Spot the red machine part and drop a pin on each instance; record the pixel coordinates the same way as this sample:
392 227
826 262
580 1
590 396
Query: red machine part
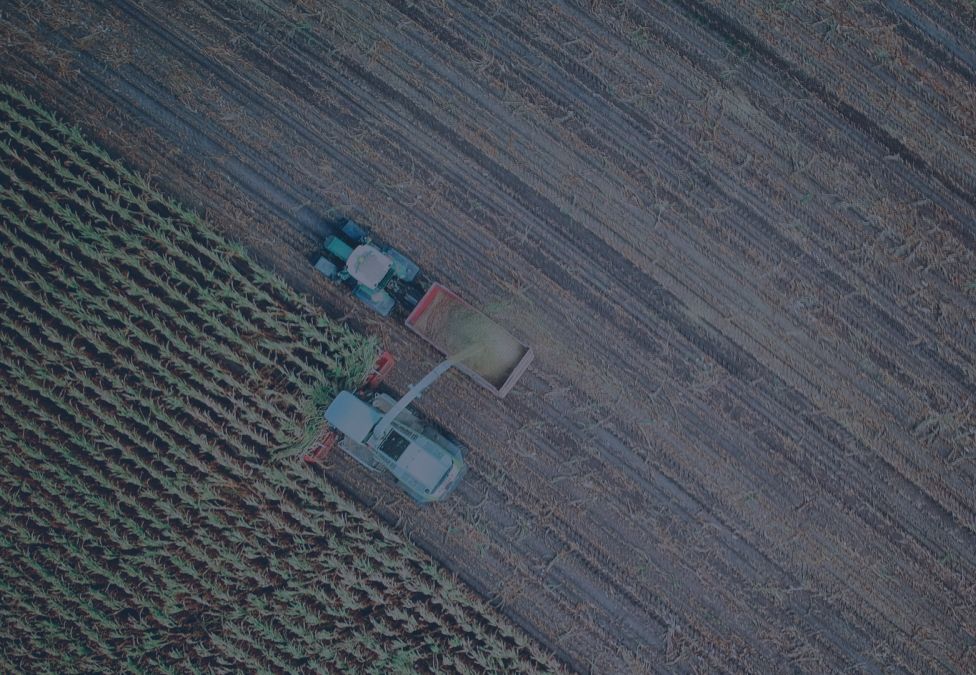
321 450
384 364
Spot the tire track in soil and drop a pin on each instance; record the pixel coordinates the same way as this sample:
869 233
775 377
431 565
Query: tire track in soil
835 281
629 276
887 319
733 31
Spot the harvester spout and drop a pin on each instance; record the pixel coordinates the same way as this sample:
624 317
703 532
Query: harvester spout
416 390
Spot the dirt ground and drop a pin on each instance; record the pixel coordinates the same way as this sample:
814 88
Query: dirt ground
739 236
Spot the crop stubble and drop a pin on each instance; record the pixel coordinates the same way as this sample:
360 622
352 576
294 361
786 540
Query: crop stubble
738 237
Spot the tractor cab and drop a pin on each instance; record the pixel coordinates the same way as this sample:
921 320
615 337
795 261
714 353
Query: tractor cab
371 268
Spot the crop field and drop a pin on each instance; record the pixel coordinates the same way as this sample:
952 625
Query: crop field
157 384
740 237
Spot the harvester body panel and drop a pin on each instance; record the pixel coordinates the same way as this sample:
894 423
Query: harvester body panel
353 417
426 463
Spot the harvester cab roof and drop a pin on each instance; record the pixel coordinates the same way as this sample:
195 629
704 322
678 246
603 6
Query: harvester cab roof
351 416
425 466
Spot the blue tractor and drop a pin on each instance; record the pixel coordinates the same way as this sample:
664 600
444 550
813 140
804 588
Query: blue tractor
380 276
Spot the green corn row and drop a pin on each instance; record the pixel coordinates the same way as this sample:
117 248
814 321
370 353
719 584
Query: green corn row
224 256
154 374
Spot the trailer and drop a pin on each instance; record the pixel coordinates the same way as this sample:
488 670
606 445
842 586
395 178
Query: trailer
484 351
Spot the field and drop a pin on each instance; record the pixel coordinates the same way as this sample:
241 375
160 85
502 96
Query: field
157 387
739 236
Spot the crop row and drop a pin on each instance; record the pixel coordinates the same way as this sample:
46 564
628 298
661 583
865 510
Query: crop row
152 516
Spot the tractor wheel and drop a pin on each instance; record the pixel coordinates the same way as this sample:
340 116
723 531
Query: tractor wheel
327 268
380 302
353 232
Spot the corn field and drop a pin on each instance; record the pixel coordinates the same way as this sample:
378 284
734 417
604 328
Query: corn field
157 384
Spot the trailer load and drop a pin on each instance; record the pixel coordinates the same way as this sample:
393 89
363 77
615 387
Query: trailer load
486 352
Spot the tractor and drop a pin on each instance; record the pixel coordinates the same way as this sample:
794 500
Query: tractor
380 276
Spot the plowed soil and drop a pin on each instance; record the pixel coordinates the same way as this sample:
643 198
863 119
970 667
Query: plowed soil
739 236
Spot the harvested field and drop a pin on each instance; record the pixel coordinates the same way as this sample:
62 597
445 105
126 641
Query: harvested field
154 377
739 237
